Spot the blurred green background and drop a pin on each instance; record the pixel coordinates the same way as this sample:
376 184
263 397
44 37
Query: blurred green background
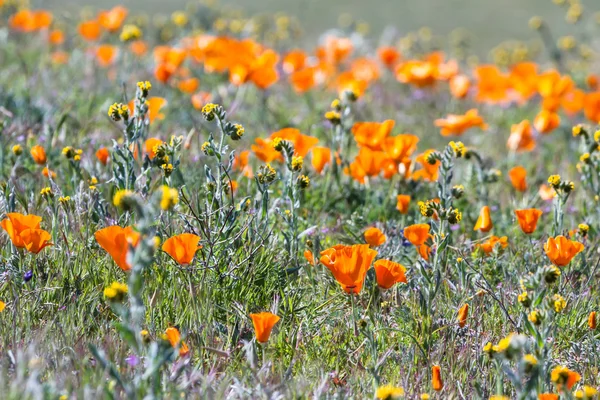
491 21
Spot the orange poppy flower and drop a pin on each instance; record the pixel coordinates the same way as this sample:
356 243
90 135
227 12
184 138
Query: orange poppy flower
521 137
458 124
263 325
488 247
428 172
200 99
546 121
400 147
59 57
364 69
263 72
546 193
106 55
335 50
321 156
573 102
349 264
35 240
90 30
523 79
150 146
518 178
388 273
294 61
492 85
372 134
306 79
102 155
389 56
548 396
424 251
484 222
263 149
308 255
592 320
367 163
564 376
48 173
374 237
113 19
459 86
155 104
15 224
417 73
561 250
138 47
402 202
463 313
417 234
163 73
528 219
38 154
56 37
116 241
182 247
591 107
189 85
436 378
347 82
174 337
30 21
302 143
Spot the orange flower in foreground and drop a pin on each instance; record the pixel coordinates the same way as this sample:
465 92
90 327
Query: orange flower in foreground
349 264
518 177
263 325
35 240
561 250
521 137
546 121
388 273
90 30
488 247
548 396
182 247
463 313
321 156
402 202
29 21
417 234
174 337
374 237
102 155
15 224
116 241
484 222
436 378
372 134
459 124
528 219
38 154
400 147
564 376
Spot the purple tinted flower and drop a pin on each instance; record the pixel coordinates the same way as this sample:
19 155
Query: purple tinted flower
132 360
28 275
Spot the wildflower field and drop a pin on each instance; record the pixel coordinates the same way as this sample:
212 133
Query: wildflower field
205 204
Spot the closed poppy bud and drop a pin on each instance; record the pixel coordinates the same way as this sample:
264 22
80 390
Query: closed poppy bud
403 201
463 313
484 222
374 237
38 154
528 219
518 177
102 155
263 325
592 321
389 273
436 379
